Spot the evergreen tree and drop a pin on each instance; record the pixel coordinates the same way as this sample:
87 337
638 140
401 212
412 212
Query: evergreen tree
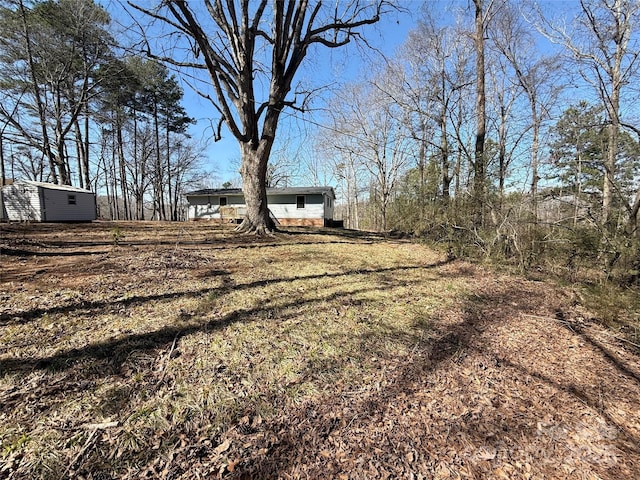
50 54
579 154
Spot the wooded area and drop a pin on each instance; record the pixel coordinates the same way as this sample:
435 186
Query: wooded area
77 109
500 128
503 129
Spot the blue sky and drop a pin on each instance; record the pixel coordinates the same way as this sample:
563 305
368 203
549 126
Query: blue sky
329 66
322 67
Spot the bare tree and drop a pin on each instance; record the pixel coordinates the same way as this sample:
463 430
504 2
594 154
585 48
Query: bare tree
53 50
479 157
484 11
335 145
317 170
506 97
350 173
436 78
534 74
246 45
370 129
7 115
606 60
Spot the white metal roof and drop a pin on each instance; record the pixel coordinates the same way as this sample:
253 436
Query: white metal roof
53 186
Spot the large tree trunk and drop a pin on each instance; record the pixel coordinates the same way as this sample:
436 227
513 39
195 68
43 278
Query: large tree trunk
479 164
2 171
254 187
610 167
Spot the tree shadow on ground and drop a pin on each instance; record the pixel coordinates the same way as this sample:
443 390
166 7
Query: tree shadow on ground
306 440
337 232
156 338
311 441
281 239
88 364
577 328
117 350
18 252
21 317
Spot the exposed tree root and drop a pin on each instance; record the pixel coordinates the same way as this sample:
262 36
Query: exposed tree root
257 228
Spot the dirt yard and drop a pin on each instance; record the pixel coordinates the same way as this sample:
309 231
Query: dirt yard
147 350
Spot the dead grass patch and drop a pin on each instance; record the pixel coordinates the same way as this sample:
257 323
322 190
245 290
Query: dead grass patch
180 351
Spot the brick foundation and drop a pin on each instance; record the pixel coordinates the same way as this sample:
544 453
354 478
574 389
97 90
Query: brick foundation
301 222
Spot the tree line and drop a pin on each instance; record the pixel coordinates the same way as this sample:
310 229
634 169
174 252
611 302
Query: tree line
77 109
501 128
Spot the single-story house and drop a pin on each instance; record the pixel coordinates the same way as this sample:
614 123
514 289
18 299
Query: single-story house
302 206
25 200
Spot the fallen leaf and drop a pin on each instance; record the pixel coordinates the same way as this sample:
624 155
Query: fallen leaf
223 447
232 465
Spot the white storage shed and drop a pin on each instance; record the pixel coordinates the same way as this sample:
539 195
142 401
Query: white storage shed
26 200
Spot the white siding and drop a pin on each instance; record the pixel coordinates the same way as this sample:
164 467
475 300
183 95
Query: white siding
201 209
328 207
208 207
39 202
284 206
21 202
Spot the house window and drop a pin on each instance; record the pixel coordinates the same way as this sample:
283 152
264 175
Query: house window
223 201
71 199
300 201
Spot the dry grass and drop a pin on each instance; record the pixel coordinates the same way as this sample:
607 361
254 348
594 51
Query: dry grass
180 351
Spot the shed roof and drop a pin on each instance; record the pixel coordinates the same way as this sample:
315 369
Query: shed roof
270 191
53 186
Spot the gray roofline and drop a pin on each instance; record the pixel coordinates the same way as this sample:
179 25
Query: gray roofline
53 186
231 192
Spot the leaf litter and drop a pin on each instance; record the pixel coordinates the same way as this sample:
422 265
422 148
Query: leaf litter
182 351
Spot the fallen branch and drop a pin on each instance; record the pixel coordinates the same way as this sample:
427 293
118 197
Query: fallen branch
173 346
99 426
86 446
553 319
94 427
621 339
568 324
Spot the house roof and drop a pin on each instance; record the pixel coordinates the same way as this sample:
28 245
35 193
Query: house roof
53 186
229 192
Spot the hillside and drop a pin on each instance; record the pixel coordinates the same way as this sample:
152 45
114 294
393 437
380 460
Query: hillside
146 350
